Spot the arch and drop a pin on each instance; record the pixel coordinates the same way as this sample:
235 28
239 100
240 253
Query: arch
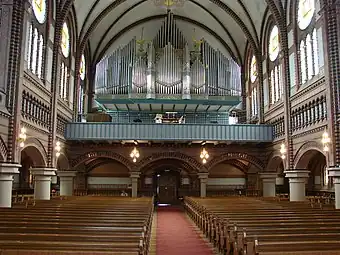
236 155
304 152
35 154
167 163
3 149
274 162
172 155
34 142
62 162
102 154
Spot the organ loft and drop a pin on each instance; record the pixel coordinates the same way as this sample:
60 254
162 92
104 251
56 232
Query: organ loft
128 126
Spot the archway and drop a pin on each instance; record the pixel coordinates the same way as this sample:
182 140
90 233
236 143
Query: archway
315 162
275 164
169 179
107 176
228 177
31 156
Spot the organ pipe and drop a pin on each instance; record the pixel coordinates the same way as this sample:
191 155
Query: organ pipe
166 66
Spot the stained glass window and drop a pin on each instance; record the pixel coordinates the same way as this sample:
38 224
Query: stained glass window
274 44
82 68
306 11
65 41
253 69
39 9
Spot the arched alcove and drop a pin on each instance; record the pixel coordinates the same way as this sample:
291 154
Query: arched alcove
314 161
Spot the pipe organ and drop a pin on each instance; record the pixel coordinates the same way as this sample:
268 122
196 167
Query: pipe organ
166 67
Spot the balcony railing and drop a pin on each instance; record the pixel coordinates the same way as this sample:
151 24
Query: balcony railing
168 132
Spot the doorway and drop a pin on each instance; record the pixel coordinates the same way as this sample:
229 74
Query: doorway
166 184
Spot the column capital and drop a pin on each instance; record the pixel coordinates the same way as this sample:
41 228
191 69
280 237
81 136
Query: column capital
43 171
268 175
203 175
134 174
9 168
66 173
297 173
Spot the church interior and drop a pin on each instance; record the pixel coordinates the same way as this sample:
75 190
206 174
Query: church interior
170 127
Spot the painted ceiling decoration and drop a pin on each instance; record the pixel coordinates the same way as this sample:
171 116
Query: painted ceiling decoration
231 23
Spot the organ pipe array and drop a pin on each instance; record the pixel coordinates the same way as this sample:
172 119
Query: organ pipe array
166 66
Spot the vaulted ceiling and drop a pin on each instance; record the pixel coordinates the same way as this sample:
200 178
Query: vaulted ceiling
225 24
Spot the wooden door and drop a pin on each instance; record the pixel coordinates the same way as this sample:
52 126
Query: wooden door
167 185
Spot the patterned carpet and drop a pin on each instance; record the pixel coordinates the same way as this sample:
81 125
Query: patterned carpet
176 235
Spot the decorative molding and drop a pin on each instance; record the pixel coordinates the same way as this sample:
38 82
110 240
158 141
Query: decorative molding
236 155
101 154
3 149
172 155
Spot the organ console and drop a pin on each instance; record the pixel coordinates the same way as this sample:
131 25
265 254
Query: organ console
166 67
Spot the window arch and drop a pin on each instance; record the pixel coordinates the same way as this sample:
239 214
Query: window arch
274 68
308 54
36 38
253 73
81 88
65 47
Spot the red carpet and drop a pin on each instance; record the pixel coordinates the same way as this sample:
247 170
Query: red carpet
176 235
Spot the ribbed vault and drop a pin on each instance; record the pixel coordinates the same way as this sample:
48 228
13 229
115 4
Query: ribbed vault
228 25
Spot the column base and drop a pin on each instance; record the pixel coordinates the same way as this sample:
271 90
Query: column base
66 182
42 182
335 173
268 184
7 170
297 184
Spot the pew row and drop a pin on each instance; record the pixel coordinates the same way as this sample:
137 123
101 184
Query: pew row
252 226
78 225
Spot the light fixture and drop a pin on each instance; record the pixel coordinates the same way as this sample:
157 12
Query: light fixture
283 151
22 137
204 156
134 155
325 141
57 149
169 4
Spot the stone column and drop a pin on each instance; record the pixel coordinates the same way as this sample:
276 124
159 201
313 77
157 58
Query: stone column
7 171
42 182
335 173
268 184
66 182
203 181
134 183
297 184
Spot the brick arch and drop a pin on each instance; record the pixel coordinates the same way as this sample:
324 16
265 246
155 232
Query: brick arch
102 154
40 149
274 161
193 163
63 162
235 155
306 147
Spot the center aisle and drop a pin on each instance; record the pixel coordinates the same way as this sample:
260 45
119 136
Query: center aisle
176 235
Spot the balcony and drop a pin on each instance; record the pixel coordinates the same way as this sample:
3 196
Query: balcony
167 132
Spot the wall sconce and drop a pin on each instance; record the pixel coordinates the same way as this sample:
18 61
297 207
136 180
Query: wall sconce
57 149
22 137
134 155
204 156
283 151
325 141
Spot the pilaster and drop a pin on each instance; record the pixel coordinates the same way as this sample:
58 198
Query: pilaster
203 183
66 182
268 184
134 183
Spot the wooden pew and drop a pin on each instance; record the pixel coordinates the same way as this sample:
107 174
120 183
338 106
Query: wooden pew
86 225
251 226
